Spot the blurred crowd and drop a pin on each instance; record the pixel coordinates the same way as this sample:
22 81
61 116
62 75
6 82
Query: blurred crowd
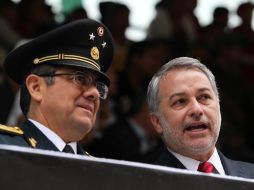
123 130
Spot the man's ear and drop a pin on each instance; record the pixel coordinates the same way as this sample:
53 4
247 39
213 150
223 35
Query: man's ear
34 85
156 123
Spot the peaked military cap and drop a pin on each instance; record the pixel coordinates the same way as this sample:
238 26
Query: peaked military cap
84 44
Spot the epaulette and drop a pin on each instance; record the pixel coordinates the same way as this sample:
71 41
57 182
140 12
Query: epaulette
11 130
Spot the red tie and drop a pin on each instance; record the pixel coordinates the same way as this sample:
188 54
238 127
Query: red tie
206 167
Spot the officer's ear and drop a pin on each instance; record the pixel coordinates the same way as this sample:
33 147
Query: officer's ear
156 123
34 85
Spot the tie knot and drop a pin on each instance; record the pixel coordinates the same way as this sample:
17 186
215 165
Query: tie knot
68 149
206 167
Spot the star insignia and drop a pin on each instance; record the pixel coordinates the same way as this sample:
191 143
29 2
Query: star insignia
92 36
104 44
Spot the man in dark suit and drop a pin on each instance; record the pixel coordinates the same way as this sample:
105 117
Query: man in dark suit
184 108
62 78
130 138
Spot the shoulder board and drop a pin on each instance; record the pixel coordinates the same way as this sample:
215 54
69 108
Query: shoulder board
11 130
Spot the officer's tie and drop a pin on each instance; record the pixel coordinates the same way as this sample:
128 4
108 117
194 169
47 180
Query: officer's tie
206 167
68 149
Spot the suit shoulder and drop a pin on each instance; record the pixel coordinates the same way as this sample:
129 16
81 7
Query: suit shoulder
244 164
237 168
12 130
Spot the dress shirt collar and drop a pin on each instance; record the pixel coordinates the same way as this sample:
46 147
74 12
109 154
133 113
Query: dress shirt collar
192 164
53 137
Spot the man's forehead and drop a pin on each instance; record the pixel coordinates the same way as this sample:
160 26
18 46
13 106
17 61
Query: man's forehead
180 78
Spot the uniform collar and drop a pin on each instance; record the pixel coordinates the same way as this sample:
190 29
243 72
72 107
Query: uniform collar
53 137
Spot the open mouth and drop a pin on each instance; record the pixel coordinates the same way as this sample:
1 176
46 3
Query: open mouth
200 127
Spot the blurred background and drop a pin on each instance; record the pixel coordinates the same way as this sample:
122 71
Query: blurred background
147 34
142 13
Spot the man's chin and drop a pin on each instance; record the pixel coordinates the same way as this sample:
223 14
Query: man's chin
201 147
84 125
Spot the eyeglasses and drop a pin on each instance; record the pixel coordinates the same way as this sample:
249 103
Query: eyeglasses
83 79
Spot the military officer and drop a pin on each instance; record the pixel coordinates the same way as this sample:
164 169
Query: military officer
63 77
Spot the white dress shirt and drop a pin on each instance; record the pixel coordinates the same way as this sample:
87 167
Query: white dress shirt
53 137
192 164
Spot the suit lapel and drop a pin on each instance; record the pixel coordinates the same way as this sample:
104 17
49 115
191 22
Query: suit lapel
231 167
168 159
81 151
42 142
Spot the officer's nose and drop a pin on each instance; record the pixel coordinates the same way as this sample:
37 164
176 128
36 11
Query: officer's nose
91 93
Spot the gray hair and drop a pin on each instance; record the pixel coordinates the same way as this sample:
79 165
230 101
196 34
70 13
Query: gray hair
153 99
25 97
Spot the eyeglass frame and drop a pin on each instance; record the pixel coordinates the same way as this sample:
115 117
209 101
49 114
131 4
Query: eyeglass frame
73 75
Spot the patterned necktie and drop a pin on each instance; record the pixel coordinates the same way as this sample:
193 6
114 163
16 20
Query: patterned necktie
68 149
206 167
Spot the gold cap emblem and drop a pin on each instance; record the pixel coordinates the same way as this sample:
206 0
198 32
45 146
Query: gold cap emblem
95 54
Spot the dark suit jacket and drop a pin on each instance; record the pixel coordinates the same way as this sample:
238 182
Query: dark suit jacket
119 141
231 167
30 135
